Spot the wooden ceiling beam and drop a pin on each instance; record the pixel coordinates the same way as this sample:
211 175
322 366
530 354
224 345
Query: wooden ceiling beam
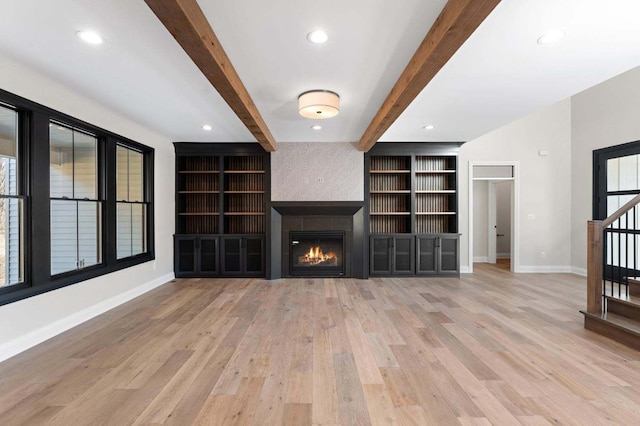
455 24
186 22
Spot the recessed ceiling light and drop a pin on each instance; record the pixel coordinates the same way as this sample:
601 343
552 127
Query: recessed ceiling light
206 127
90 37
317 37
551 36
428 127
316 127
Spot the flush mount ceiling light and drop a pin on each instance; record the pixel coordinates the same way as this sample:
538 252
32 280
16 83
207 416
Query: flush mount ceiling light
319 104
551 36
428 127
90 37
206 127
317 37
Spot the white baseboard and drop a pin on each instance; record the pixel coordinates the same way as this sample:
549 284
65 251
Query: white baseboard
503 255
480 259
465 270
544 269
579 271
35 337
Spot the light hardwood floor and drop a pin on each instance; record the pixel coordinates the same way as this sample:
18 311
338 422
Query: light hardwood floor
489 348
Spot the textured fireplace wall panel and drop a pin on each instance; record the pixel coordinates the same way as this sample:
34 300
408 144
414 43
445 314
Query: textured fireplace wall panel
317 171
317 223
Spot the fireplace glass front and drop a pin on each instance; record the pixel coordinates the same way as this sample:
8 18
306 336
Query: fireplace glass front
316 253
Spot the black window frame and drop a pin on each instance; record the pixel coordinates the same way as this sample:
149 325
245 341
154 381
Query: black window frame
147 194
34 185
600 192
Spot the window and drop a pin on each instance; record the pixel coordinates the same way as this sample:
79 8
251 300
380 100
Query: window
616 178
131 223
75 205
76 201
11 203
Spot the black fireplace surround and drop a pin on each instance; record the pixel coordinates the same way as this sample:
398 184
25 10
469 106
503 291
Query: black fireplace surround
323 222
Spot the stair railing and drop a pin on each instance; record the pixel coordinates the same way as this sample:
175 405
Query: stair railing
612 254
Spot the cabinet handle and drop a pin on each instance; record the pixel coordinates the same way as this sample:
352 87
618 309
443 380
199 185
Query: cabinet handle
241 239
391 242
197 243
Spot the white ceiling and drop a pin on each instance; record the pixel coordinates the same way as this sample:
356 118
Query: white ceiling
500 74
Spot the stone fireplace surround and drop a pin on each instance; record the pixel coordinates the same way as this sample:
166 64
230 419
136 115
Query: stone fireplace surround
286 216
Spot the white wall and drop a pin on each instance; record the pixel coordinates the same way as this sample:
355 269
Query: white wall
545 185
317 172
30 321
605 115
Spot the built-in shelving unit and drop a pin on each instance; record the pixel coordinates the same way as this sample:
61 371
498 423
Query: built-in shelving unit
390 194
244 203
221 195
412 208
435 187
198 187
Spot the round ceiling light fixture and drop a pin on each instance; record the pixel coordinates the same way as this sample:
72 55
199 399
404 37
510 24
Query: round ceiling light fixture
428 127
207 127
319 104
317 37
90 37
551 36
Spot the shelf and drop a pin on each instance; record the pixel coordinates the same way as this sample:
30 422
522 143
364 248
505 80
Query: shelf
434 171
390 213
232 172
198 192
436 191
244 213
390 171
198 172
199 214
435 213
244 192
399 191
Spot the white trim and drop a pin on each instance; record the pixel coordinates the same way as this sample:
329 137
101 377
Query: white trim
503 255
545 269
480 259
465 270
35 337
515 210
491 222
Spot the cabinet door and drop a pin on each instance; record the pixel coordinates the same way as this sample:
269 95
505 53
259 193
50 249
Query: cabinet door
449 260
232 255
209 255
380 255
403 250
184 263
427 255
254 256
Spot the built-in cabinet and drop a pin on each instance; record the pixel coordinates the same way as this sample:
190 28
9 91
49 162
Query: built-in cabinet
221 196
412 209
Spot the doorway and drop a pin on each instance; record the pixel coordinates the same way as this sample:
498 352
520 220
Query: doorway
493 207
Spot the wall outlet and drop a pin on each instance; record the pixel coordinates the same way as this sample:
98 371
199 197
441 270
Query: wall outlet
543 254
320 180
531 216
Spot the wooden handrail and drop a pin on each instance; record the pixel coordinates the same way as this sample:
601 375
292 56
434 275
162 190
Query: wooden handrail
595 263
595 253
622 210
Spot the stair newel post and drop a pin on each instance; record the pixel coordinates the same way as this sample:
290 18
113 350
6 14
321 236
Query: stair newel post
595 250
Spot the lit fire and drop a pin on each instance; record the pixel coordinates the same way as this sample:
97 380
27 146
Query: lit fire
315 256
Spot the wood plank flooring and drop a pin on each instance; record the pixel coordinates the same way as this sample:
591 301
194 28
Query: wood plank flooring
488 348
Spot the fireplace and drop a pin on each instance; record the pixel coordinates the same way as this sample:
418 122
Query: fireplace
317 253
